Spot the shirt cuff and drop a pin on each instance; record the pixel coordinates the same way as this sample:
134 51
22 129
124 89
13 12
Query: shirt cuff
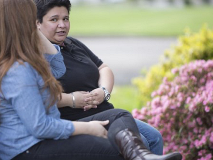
68 130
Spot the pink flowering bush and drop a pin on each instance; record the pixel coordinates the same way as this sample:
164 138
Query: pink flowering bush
182 110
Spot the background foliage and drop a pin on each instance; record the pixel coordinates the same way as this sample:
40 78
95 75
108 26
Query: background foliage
191 46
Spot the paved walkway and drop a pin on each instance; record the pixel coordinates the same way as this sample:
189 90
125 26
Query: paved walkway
126 56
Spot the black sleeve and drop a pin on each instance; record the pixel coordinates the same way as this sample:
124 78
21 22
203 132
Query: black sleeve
90 54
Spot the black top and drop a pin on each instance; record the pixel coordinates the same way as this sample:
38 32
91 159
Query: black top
82 74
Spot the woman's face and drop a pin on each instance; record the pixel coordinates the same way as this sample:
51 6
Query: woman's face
55 25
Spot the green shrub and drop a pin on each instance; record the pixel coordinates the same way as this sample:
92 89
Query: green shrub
191 46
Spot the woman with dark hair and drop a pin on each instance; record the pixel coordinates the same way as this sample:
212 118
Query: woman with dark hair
87 78
30 126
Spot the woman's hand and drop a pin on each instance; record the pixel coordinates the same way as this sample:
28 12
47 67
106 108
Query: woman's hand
85 99
95 128
96 99
98 95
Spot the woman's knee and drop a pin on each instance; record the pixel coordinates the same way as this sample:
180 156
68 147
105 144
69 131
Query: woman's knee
150 133
158 136
121 112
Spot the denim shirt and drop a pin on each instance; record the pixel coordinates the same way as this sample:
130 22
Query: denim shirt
56 62
24 117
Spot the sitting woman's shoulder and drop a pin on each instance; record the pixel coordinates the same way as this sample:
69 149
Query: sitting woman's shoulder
20 68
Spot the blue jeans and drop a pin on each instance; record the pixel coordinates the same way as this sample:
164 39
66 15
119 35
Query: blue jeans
151 137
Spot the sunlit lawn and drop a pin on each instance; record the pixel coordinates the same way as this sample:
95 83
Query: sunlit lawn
137 21
125 97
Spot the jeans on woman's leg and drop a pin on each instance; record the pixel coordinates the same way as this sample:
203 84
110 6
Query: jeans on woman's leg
151 137
80 147
145 142
118 120
85 147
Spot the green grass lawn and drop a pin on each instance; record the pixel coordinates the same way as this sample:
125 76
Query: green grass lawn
125 97
120 20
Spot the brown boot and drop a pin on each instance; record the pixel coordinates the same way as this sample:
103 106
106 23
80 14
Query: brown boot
132 148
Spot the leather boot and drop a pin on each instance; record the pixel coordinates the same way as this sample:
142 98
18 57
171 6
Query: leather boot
132 148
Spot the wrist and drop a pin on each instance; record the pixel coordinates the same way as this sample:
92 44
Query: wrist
73 100
106 93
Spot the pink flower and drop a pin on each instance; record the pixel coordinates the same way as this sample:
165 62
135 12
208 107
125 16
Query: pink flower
197 143
207 109
175 70
204 102
211 138
209 156
154 94
188 99
199 121
203 140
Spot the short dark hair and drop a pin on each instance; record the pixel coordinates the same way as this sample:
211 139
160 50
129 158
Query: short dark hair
43 6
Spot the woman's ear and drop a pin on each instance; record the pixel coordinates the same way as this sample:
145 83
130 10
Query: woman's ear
38 24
